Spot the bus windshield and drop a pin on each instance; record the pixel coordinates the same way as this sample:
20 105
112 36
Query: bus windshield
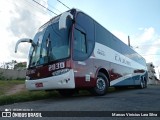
52 44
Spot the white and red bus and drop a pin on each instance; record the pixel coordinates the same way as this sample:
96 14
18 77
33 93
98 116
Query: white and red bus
72 51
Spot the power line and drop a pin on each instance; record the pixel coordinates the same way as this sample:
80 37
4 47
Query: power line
149 54
150 45
44 7
52 6
35 7
63 4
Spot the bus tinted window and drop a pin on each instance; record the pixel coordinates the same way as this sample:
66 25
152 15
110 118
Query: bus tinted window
104 37
85 26
101 35
80 45
80 41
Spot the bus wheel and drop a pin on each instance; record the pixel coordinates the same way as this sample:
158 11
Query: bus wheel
101 85
145 84
142 84
66 92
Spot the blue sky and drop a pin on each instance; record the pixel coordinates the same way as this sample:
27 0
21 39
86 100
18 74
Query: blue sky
139 19
123 15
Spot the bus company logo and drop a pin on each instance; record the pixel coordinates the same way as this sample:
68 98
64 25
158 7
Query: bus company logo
122 60
100 52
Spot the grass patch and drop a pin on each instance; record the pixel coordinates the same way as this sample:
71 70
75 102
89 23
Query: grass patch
111 89
27 96
11 82
1 92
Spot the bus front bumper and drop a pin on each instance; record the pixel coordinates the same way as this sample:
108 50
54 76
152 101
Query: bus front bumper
64 81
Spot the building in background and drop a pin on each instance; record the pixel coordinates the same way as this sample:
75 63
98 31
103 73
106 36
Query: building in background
20 66
12 70
152 79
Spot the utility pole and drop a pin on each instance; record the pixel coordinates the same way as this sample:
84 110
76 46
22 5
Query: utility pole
129 42
158 73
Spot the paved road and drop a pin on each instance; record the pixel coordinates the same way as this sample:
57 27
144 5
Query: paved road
123 100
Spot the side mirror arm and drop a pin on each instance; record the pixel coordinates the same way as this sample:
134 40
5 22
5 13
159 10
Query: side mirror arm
24 40
63 18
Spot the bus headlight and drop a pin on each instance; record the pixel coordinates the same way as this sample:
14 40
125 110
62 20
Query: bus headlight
27 78
59 72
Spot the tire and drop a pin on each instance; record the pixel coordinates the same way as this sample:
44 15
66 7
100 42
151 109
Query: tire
143 84
66 92
101 85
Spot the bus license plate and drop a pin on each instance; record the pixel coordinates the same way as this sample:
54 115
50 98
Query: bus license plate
39 85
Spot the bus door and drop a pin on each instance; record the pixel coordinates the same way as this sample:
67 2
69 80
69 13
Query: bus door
83 45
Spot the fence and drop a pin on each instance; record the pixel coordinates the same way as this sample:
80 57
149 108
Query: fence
12 74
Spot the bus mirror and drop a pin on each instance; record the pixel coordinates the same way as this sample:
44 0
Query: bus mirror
63 18
24 40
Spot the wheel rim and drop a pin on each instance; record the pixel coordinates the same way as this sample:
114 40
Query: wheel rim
142 84
101 85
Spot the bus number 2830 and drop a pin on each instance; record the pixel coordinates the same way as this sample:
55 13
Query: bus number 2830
56 66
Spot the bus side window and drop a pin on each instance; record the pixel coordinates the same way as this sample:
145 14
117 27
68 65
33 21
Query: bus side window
80 41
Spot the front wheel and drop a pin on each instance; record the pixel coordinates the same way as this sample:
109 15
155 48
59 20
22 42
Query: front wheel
101 85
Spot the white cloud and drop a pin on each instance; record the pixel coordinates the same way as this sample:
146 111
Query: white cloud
122 36
21 18
148 34
146 43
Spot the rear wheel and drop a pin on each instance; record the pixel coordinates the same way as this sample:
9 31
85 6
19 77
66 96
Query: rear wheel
143 83
101 85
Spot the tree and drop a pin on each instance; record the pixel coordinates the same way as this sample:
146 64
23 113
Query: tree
20 65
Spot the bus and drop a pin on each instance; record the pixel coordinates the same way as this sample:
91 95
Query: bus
72 51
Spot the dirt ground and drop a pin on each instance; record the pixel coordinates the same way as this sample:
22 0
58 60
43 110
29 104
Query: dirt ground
16 89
